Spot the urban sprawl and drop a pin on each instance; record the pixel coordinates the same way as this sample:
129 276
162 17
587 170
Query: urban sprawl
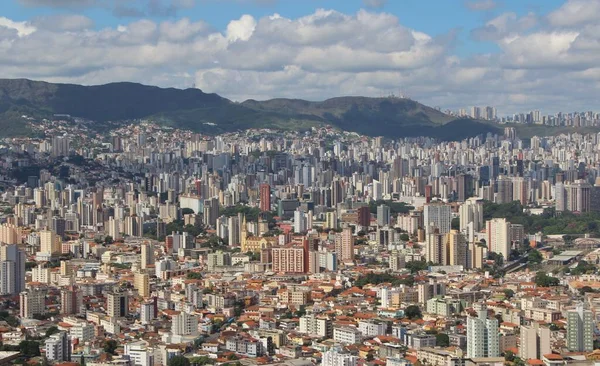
147 246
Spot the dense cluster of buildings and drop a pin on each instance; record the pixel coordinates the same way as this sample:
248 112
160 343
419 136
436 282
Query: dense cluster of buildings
269 247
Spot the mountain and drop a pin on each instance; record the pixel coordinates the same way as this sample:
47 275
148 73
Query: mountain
210 113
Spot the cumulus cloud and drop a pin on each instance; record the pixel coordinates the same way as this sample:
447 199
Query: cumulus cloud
320 55
503 26
575 13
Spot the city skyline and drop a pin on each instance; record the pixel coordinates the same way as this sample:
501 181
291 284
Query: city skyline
514 55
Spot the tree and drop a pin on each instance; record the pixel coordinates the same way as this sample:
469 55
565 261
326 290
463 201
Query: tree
110 346
52 330
416 266
413 312
585 289
108 239
187 211
509 356
509 293
534 257
404 237
543 280
442 340
29 348
179 361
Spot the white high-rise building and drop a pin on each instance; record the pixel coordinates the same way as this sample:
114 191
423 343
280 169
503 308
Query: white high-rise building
58 347
299 221
482 334
338 357
534 342
437 216
184 324
12 269
32 302
498 236
471 217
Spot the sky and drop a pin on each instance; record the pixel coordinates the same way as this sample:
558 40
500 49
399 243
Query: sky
516 55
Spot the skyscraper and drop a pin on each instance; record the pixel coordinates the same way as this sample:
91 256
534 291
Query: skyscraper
70 300
383 215
534 342
265 197
141 282
364 216
437 216
12 269
482 334
344 245
580 330
471 217
498 236
456 242
147 255
117 304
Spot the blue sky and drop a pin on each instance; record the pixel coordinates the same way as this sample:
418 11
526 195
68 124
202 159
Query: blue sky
515 55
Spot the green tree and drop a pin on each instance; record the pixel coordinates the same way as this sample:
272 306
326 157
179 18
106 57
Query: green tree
29 348
413 312
509 293
108 239
52 330
187 211
442 340
179 361
404 237
534 257
585 289
416 266
509 356
110 346
543 280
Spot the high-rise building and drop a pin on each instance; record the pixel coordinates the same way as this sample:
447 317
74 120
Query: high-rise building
579 196
141 282
580 330
299 221
265 197
117 304
32 302
437 216
337 357
436 249
383 215
49 242
218 259
288 259
12 269
58 347
504 190
482 334
184 324
534 342
233 231
363 216
344 245
498 236
70 300
147 255
471 217
466 187
456 242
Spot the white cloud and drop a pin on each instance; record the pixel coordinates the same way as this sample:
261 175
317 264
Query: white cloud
320 55
22 28
575 13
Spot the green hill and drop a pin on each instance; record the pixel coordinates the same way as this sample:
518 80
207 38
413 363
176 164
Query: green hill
210 113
